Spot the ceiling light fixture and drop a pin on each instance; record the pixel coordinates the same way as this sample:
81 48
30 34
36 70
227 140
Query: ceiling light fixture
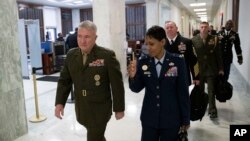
52 1
201 13
200 9
78 2
203 19
197 4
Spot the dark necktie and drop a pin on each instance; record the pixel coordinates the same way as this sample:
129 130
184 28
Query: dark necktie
159 63
172 42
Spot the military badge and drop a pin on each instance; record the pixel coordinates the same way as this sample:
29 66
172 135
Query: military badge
97 77
182 47
171 64
144 67
181 55
211 42
97 83
97 63
172 72
147 72
232 37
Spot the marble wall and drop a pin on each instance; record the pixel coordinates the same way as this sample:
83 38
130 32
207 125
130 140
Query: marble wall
13 121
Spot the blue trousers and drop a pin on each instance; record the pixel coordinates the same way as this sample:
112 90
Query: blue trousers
155 134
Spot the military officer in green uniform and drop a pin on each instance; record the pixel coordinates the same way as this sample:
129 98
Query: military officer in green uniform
95 74
210 63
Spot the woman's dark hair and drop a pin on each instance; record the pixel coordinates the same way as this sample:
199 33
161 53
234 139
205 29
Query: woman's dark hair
156 32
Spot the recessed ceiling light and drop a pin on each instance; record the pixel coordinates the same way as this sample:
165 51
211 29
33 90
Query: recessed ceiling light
201 13
203 19
78 2
197 4
52 1
200 9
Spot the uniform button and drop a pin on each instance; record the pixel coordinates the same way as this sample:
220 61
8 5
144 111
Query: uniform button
158 105
158 96
157 87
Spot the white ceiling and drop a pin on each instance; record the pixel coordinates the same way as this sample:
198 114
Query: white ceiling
68 3
211 5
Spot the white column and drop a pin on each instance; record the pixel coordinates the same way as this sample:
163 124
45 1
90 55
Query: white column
75 18
152 13
109 17
13 120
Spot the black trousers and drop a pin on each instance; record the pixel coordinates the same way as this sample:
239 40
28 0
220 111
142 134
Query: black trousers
155 134
96 133
227 67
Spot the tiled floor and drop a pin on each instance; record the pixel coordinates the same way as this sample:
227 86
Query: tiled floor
235 111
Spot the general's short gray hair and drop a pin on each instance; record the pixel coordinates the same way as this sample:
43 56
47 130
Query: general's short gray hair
88 24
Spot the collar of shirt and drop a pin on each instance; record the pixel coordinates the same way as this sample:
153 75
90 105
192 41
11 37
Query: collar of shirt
161 60
227 32
172 39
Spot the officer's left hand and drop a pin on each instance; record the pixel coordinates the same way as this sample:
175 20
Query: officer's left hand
221 72
59 111
196 82
184 127
119 115
240 61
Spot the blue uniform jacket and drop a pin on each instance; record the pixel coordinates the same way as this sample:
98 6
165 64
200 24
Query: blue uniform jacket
166 102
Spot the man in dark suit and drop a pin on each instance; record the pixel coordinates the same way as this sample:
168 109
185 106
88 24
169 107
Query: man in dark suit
228 38
210 63
98 84
71 41
211 30
178 44
166 106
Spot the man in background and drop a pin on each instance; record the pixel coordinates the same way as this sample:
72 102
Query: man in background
60 37
210 63
228 38
71 41
212 31
178 44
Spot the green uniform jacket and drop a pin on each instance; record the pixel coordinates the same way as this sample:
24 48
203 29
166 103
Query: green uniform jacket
208 55
98 85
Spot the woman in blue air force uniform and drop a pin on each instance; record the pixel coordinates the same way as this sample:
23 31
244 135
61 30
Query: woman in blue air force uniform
166 106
